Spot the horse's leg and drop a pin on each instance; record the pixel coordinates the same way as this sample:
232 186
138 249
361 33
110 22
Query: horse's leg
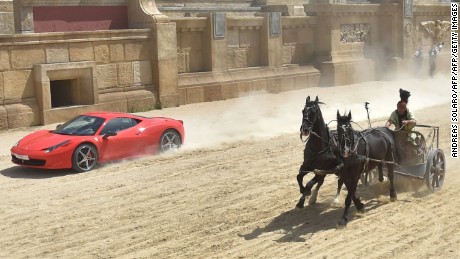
380 167
300 177
357 201
306 192
339 188
382 178
393 195
351 187
314 192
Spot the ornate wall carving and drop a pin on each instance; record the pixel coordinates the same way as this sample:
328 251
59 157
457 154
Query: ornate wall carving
357 32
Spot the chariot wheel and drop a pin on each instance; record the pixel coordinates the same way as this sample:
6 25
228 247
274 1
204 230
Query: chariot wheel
170 140
84 158
435 170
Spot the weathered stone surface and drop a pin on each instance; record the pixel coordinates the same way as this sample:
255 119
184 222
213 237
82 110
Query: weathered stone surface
4 60
137 51
6 6
244 88
6 23
274 85
288 83
3 118
117 52
196 62
57 53
25 58
107 76
168 79
142 72
287 54
166 41
212 93
113 102
171 100
125 73
22 114
101 53
237 58
140 100
18 84
182 96
82 51
195 95
229 90
260 85
182 62
2 97
302 82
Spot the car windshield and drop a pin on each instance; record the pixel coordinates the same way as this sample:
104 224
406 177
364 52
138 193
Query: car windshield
80 126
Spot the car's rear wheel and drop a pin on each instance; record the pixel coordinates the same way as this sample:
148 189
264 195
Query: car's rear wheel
170 140
84 158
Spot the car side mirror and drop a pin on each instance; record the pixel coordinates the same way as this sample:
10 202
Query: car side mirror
59 125
109 134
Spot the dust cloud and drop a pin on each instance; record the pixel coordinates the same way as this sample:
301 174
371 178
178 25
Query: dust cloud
263 116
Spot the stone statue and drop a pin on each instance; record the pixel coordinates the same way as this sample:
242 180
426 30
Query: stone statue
436 30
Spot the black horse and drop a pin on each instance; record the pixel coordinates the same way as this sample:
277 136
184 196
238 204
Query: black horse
362 151
320 154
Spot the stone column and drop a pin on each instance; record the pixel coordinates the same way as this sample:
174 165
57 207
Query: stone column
145 14
271 40
215 42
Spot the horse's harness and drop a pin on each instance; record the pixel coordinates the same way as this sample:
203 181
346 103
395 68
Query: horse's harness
307 119
327 153
365 158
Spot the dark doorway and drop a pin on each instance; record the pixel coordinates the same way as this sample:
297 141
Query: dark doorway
61 93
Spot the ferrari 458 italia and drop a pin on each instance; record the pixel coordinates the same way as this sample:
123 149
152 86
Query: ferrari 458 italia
88 139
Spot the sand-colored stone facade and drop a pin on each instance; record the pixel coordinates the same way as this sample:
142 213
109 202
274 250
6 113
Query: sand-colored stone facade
160 61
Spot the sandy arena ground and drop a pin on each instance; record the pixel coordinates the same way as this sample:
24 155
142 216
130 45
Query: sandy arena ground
231 191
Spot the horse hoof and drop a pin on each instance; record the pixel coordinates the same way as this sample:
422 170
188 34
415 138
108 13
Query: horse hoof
393 199
300 204
341 225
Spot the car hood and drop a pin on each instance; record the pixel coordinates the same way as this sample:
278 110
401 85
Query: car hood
42 139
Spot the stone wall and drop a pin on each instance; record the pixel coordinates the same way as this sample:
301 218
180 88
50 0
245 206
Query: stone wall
116 65
249 57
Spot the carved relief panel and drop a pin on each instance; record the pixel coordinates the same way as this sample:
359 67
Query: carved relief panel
356 32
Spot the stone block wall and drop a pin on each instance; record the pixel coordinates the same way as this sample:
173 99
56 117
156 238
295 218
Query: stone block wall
114 67
205 87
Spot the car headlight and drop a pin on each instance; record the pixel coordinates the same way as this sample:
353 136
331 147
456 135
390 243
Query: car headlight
52 148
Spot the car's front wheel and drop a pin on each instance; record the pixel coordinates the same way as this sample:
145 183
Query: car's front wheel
170 140
84 158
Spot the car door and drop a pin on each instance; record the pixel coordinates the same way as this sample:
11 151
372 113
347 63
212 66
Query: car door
124 142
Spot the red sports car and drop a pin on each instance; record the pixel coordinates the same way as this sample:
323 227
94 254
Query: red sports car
97 137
